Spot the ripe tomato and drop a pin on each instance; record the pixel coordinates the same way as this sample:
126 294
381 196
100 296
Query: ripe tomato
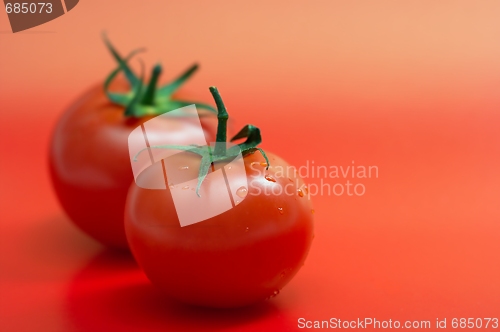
244 255
89 158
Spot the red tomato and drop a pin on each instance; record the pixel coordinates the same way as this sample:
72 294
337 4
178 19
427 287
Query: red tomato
89 157
244 255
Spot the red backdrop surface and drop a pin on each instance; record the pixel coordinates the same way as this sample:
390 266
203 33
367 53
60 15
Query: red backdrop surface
411 87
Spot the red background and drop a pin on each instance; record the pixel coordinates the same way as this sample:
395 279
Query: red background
412 87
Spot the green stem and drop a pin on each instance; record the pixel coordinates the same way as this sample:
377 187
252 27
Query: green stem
149 95
222 116
220 153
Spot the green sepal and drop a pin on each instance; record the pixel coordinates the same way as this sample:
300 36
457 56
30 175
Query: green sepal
129 74
169 89
206 161
147 100
118 98
208 157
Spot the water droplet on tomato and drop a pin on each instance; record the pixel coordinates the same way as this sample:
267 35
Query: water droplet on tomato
274 294
236 202
269 178
171 186
264 164
183 168
229 167
246 229
280 209
300 193
185 188
242 192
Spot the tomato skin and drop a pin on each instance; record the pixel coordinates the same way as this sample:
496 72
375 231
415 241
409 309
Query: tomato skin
245 255
90 167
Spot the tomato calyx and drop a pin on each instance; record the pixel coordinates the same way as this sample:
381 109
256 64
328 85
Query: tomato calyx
220 152
147 99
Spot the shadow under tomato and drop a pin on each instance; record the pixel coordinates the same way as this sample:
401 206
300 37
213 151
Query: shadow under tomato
56 236
113 294
45 250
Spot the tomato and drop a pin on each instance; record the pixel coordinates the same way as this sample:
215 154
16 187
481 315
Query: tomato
241 256
89 157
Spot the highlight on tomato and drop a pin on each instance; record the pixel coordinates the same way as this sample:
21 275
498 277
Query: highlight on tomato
238 257
89 158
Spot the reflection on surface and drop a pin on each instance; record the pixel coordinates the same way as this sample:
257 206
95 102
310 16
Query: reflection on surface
112 294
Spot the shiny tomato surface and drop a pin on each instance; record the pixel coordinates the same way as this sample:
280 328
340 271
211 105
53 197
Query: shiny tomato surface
90 165
242 256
